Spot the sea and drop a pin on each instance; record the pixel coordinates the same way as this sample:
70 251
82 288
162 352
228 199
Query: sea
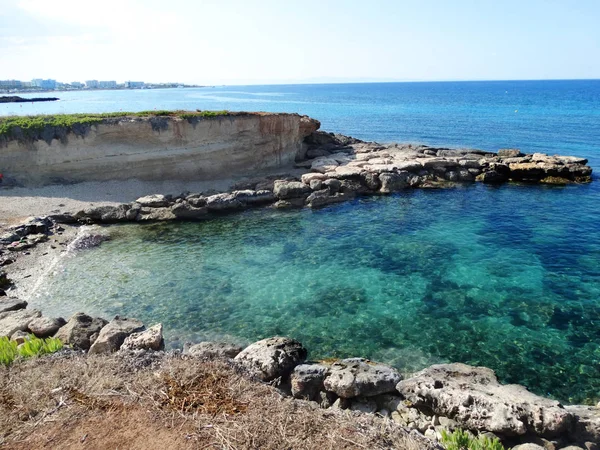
506 277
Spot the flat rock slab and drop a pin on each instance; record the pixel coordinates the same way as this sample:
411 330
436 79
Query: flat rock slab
474 398
113 335
11 304
272 357
13 321
151 339
359 377
81 331
213 350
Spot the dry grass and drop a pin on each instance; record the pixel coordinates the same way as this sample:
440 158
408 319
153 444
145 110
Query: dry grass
169 402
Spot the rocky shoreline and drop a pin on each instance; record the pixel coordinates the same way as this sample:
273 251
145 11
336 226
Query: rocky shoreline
17 99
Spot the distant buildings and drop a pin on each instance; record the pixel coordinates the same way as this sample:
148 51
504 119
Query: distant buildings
77 85
134 84
91 84
10 84
39 84
44 84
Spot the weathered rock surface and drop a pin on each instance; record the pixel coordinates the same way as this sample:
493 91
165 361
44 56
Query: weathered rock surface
587 423
13 321
290 189
213 350
474 398
81 331
46 326
113 335
307 380
150 339
356 377
272 357
11 304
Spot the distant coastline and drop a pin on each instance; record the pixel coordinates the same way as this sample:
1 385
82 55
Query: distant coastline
17 99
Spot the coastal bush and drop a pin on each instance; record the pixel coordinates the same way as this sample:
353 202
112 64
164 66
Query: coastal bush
463 440
33 346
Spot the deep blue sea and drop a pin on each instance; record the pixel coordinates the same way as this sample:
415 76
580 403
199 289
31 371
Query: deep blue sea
507 277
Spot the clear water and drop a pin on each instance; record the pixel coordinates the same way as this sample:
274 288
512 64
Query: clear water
507 277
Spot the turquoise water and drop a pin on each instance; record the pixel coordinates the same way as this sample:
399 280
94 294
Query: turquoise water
507 277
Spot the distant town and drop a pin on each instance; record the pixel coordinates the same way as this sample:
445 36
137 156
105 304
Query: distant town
40 85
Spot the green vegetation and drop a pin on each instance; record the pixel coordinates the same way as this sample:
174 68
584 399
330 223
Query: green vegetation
33 126
33 346
463 440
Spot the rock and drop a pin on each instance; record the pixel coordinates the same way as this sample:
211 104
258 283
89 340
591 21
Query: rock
345 172
316 185
88 239
371 180
13 321
213 350
323 197
316 152
33 225
528 447
364 405
290 189
492 177
342 403
509 153
113 335
151 339
473 397
558 181
250 197
63 218
80 331
469 163
46 326
272 358
158 214
356 377
323 165
187 211
571 447
4 280
108 214
392 182
587 423
19 337
290 203
308 177
333 185
11 304
153 201
307 380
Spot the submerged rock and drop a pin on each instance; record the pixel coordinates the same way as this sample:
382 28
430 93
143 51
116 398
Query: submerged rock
474 398
81 331
272 357
113 335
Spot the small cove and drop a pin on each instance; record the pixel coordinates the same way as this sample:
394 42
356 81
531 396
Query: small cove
507 277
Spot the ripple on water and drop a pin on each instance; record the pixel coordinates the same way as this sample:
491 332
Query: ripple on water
505 278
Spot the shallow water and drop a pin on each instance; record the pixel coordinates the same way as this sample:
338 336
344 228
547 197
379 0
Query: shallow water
470 274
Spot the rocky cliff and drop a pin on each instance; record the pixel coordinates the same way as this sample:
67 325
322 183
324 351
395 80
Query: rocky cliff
156 147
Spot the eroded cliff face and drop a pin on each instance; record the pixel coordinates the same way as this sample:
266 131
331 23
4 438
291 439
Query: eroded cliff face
161 148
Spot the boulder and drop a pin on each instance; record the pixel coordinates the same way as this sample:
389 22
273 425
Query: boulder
492 177
108 214
392 182
323 165
46 326
290 189
153 201
113 335
250 197
308 177
148 214
307 380
80 331
213 350
587 423
356 377
474 398
19 337
11 304
151 339
13 321
528 446
332 184
509 153
323 197
185 210
272 358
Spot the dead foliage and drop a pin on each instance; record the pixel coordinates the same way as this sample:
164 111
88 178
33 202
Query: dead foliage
168 401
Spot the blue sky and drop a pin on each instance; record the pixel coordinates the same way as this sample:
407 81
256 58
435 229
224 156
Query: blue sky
269 41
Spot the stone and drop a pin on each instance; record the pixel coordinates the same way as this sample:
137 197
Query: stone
587 423
150 339
187 211
469 163
345 172
213 350
153 201
571 447
113 335
46 326
323 165
364 405
250 197
509 153
316 185
11 304
272 358
359 377
80 331
158 214
492 177
392 182
308 177
290 189
19 337
371 180
323 197
223 202
333 185
307 380
13 321
528 446
475 399
107 214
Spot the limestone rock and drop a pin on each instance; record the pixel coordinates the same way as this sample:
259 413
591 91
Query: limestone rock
356 377
19 337
153 201
323 197
187 211
80 331
528 446
307 380
107 214
272 357
151 339
113 335
587 423
11 304
13 321
250 197
364 405
392 182
474 398
308 177
148 214
46 326
290 189
492 177
213 350
323 165
509 153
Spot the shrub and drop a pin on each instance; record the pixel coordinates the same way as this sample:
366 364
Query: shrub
33 346
463 440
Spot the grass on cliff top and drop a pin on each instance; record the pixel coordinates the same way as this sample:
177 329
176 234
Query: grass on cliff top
31 125
33 346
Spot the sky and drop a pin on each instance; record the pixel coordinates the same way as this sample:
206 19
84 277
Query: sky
215 42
